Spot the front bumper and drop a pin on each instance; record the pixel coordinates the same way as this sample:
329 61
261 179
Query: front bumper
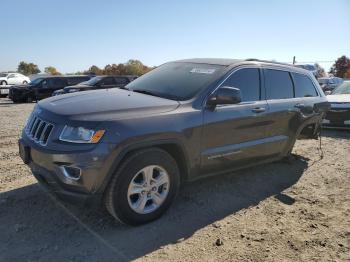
337 118
47 168
18 94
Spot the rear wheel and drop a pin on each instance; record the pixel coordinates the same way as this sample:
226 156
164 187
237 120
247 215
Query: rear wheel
143 187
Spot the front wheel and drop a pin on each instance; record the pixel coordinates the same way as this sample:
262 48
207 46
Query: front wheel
143 187
3 83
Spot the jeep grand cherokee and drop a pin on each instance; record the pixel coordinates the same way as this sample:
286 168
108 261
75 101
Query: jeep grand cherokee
131 149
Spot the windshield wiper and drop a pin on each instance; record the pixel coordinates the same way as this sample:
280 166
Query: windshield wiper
146 92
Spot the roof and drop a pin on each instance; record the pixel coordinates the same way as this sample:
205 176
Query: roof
212 61
228 62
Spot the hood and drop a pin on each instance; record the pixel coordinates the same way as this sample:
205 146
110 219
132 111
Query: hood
106 104
339 98
22 87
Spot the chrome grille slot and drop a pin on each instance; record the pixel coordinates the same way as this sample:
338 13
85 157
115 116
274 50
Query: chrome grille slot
38 130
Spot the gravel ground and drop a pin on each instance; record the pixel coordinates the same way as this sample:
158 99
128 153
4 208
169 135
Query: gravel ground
284 211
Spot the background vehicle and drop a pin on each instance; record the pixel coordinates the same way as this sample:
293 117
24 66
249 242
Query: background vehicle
98 82
13 79
339 114
329 83
181 121
309 67
43 87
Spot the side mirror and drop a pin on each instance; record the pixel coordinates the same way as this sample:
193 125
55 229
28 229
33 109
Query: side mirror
328 92
225 95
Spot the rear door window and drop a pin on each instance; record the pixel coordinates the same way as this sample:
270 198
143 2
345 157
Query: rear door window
107 81
278 84
57 83
248 81
121 81
304 87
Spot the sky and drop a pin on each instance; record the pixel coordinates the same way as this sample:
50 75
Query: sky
72 35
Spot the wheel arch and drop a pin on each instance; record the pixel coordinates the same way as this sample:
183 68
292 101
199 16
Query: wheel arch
172 147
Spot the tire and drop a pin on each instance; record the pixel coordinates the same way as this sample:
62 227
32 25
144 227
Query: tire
3 83
29 99
25 82
121 205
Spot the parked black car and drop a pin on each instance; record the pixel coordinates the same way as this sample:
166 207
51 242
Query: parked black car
182 121
98 82
43 87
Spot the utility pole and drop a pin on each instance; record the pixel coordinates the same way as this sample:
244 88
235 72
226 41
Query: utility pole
293 60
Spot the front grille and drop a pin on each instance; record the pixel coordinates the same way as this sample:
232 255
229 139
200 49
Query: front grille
38 130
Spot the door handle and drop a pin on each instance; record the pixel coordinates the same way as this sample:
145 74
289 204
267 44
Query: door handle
259 109
300 106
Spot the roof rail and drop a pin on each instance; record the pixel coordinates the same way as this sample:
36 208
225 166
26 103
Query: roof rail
268 61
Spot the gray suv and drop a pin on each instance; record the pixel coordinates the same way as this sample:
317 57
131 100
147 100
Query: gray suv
131 148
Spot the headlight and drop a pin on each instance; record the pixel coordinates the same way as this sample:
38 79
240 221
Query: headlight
81 135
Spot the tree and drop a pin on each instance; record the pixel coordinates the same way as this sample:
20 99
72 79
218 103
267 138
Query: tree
27 68
320 71
132 67
135 67
347 74
340 67
94 70
51 70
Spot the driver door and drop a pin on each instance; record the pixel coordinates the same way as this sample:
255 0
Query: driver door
107 82
236 134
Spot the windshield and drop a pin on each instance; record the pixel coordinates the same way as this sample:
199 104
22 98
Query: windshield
93 81
36 81
3 75
176 80
343 89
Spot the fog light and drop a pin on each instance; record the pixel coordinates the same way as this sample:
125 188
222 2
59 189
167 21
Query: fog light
71 172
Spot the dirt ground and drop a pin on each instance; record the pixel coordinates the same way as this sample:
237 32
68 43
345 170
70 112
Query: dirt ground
297 211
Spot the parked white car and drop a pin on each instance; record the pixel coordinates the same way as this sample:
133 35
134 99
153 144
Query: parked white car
13 79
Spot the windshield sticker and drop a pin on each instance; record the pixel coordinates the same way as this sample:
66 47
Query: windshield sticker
202 71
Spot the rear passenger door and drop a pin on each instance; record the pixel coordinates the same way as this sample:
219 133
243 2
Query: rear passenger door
236 134
308 97
284 109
